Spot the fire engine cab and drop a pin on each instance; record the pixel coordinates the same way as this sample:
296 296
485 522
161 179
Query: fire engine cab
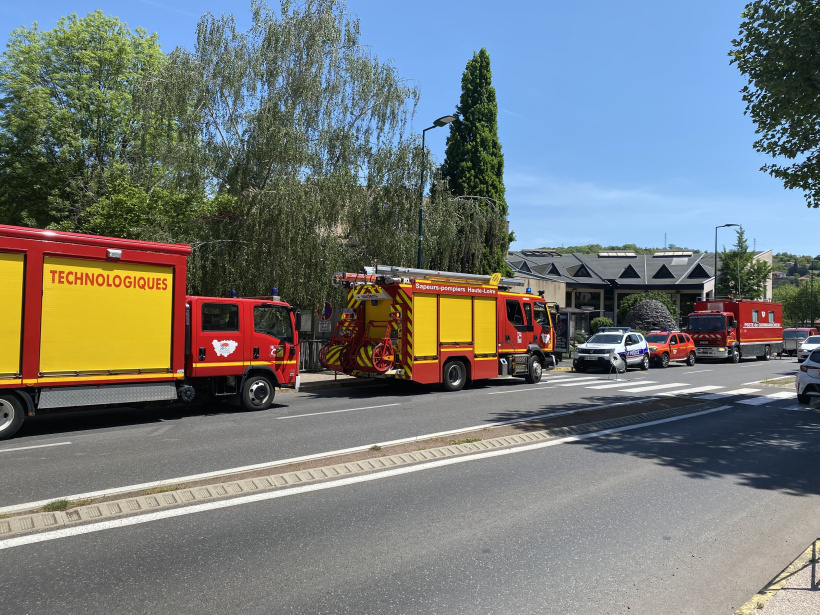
439 327
729 329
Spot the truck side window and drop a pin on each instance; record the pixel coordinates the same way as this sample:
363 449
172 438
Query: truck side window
755 317
771 317
274 321
528 313
220 317
514 313
541 314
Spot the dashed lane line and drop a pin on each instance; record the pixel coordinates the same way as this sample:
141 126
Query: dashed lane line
299 416
28 448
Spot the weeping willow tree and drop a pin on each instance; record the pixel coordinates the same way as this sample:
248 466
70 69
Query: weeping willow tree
301 137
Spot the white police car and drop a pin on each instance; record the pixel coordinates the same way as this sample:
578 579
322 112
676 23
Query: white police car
630 345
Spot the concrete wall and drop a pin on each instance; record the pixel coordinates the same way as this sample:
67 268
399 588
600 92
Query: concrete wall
553 291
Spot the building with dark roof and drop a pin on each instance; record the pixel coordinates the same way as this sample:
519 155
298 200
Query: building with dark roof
596 282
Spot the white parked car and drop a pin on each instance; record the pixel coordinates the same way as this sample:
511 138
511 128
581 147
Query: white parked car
630 345
808 378
809 345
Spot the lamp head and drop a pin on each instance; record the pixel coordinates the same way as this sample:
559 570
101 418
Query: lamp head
443 121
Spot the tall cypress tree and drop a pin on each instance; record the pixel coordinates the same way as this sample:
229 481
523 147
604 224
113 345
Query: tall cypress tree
473 164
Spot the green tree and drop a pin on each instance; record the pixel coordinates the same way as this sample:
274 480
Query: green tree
740 274
797 302
307 132
777 50
626 304
473 164
68 125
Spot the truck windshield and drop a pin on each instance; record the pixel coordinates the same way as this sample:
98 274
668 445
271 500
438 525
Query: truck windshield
606 338
795 335
541 314
707 323
274 321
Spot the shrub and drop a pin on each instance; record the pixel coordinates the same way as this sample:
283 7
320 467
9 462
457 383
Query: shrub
597 323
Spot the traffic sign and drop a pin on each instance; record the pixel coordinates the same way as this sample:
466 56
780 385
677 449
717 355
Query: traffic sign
325 311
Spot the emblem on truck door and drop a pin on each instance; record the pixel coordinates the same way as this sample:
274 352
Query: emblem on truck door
225 347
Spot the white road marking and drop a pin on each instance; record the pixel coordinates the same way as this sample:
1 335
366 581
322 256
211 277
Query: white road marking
344 482
622 383
299 416
696 371
546 385
292 460
765 399
580 382
654 387
723 394
538 387
692 390
28 448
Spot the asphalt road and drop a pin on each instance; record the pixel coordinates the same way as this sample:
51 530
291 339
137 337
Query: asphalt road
105 449
692 516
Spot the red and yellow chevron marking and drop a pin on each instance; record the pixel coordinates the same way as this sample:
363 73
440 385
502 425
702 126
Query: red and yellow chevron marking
352 302
406 341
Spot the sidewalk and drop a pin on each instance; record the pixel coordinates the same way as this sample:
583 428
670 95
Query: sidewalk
795 591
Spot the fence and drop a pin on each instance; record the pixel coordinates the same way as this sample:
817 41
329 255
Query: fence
309 355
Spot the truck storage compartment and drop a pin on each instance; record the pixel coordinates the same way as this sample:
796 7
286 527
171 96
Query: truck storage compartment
105 317
11 308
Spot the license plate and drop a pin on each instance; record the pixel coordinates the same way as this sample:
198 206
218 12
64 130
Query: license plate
591 358
706 351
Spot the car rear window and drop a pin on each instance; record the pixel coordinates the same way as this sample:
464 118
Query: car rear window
814 357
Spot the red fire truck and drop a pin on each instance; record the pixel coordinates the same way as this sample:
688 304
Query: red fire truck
439 327
96 321
729 329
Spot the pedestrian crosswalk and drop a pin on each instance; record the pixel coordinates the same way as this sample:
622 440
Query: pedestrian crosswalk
749 396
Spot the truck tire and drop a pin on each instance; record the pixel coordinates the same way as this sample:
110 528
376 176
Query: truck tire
734 355
534 370
767 352
257 392
664 360
690 360
12 414
454 376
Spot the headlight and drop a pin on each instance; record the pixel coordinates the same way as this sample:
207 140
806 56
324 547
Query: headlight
653 348
721 348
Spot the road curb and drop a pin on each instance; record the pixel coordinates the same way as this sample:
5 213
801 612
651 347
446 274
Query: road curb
760 599
183 495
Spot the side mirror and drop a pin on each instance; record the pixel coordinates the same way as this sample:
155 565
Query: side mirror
298 319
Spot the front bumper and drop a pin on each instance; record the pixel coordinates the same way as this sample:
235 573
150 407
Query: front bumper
711 352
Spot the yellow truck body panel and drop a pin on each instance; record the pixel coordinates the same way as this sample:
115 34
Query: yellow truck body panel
425 325
485 325
11 310
101 316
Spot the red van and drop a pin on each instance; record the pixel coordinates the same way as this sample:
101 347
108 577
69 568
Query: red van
793 337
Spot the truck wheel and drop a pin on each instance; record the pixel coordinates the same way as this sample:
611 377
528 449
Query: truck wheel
734 357
454 376
257 393
534 370
664 362
767 352
645 362
11 416
690 360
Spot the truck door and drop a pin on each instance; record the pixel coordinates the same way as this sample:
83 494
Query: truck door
542 326
273 342
217 348
517 331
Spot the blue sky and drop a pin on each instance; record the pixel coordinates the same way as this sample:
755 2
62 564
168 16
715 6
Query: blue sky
619 121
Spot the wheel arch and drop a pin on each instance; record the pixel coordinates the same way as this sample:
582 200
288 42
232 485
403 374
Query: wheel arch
263 370
24 397
466 361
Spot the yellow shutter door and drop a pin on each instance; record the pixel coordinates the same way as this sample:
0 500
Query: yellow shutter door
11 309
485 325
425 325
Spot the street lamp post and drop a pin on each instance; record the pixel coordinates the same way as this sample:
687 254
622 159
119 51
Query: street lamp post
442 121
714 292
